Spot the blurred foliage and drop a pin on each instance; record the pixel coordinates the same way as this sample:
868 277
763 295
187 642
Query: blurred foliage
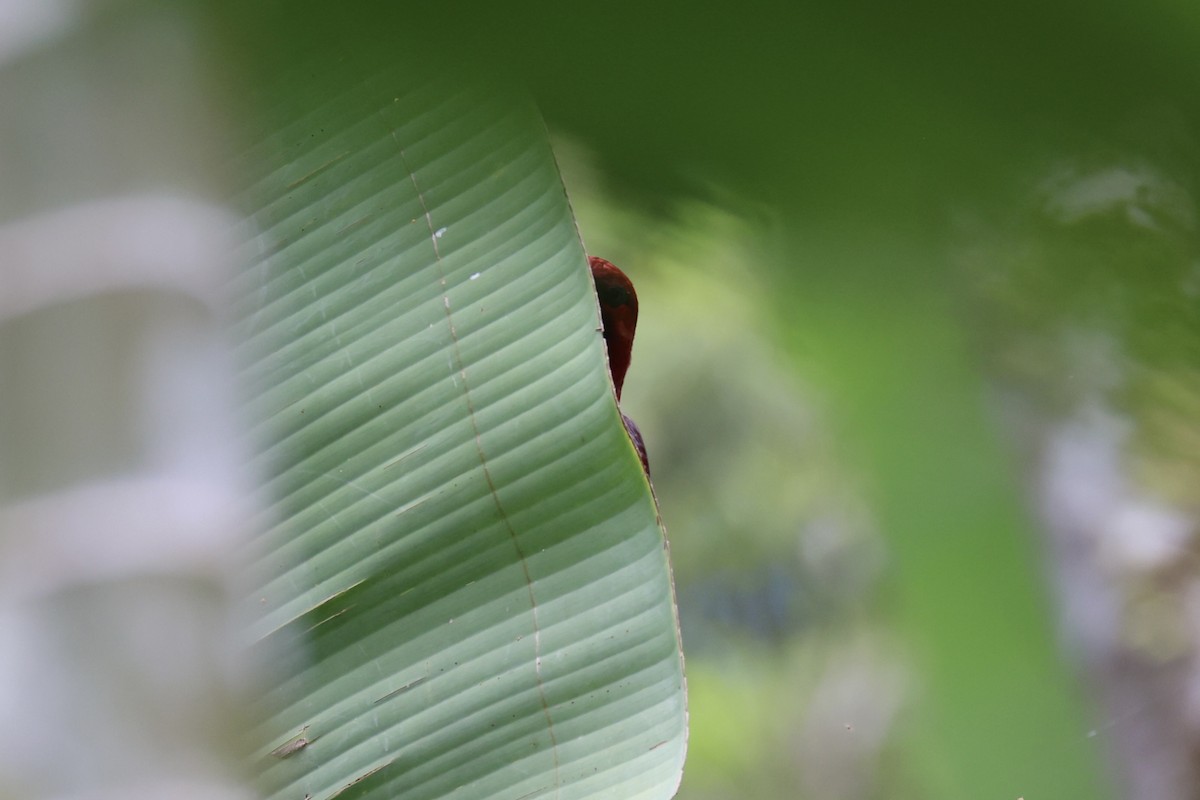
825 361
1091 289
1089 327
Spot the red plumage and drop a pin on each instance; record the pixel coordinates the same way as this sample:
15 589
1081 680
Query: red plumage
618 315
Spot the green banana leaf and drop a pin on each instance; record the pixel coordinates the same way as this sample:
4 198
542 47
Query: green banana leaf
463 582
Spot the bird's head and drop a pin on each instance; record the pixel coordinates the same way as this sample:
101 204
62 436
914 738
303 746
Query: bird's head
618 314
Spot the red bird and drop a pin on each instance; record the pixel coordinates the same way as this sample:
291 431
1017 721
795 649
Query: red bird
618 315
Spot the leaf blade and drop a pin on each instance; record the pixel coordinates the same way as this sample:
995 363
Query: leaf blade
465 549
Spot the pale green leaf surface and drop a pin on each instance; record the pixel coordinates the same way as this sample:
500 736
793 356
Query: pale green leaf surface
464 587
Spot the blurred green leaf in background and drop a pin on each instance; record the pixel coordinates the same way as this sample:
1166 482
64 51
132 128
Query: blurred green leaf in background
927 280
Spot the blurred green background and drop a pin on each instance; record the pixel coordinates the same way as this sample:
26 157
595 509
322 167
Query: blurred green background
919 373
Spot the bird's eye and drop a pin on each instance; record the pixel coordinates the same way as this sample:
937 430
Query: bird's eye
613 295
